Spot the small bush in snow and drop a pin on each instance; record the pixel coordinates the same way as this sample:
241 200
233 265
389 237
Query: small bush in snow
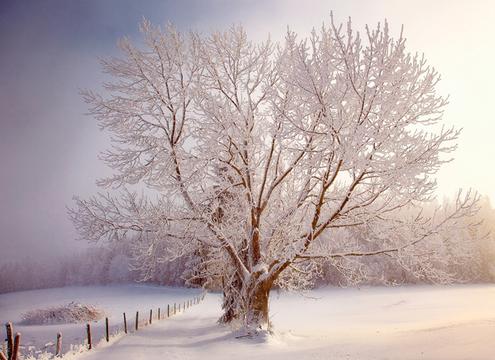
64 314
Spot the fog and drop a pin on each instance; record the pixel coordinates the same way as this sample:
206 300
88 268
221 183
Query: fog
49 50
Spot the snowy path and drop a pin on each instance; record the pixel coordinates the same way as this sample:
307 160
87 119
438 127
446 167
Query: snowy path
412 323
191 335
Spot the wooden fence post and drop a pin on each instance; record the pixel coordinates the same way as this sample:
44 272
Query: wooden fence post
58 348
159 314
151 316
125 324
17 342
175 309
107 335
10 339
137 320
168 310
88 333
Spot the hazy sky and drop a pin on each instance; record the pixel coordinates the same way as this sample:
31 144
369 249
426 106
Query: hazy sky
49 49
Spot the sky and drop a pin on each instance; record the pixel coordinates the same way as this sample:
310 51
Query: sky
49 51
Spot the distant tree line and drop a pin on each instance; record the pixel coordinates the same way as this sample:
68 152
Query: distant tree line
97 265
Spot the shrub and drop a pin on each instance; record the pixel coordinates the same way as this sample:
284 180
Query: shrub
71 313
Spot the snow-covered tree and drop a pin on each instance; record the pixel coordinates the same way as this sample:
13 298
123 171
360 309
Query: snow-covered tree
260 155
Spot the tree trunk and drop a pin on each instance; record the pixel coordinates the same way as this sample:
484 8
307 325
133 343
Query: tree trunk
231 300
247 303
257 311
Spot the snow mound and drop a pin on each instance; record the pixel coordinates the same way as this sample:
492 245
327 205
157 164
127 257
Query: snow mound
71 313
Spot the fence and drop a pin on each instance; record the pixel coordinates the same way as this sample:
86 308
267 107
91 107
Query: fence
10 349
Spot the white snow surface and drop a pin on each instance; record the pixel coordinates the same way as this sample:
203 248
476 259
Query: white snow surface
112 299
413 322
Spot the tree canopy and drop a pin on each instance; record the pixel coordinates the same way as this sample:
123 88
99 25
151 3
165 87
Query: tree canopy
267 159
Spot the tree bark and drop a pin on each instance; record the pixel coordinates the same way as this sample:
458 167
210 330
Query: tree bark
230 303
248 303
257 312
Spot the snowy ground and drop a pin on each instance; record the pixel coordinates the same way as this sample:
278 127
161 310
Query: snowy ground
114 300
452 323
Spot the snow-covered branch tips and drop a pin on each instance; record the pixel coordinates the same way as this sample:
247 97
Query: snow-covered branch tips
265 160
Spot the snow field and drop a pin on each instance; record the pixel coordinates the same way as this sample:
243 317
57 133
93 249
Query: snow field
409 323
402 323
